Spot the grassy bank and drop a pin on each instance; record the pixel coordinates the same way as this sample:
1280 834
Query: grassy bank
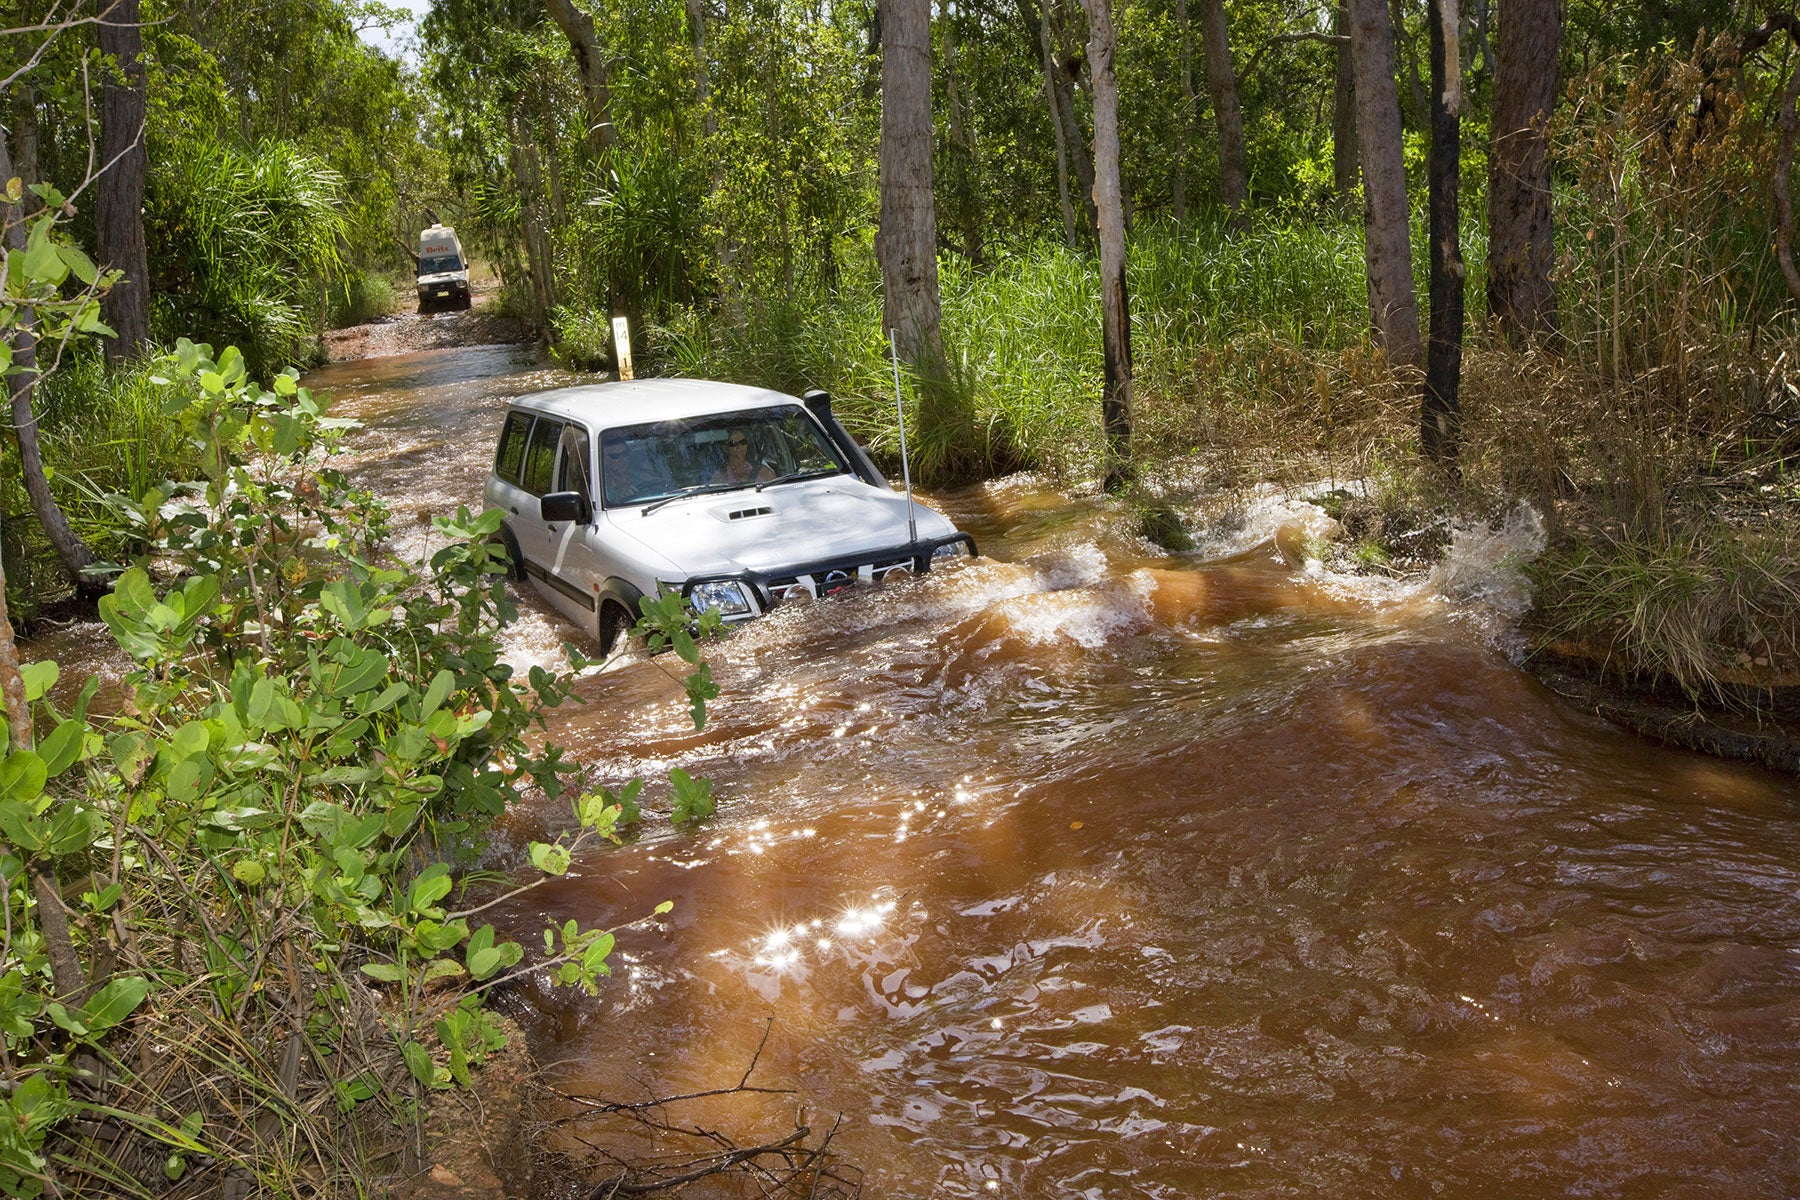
1658 438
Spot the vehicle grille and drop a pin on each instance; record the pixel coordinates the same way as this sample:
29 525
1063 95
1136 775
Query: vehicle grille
824 583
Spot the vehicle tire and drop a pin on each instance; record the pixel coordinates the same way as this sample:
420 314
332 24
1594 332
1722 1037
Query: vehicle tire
515 561
466 303
612 626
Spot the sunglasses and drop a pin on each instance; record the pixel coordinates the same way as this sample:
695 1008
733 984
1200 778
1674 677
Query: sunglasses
738 442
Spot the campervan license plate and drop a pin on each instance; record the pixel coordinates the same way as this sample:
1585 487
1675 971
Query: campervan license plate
443 293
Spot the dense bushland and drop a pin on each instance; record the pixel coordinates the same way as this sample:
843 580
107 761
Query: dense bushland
264 840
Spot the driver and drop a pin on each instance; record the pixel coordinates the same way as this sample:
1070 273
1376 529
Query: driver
626 470
739 466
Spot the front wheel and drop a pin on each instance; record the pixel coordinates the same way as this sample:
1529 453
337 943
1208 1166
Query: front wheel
613 626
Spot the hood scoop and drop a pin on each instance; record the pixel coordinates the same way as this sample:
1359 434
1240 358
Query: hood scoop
744 514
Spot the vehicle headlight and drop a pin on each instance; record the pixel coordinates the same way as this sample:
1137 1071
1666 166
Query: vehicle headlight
726 595
956 549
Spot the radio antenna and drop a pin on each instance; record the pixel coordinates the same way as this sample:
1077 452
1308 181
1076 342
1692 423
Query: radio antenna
912 523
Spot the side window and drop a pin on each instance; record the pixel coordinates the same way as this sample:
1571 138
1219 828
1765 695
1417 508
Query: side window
540 455
572 471
512 446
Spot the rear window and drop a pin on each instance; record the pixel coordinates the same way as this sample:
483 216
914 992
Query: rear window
540 456
511 457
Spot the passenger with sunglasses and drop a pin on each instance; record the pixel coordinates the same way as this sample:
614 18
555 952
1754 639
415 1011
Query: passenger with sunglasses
739 466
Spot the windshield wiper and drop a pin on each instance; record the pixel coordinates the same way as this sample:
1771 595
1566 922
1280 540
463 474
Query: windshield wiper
699 489
792 476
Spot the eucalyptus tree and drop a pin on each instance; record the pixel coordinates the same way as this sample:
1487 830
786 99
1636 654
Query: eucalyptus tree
1521 297
1387 244
1115 300
1440 416
124 164
1228 116
907 241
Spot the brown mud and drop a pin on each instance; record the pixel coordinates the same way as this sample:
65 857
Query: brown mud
407 331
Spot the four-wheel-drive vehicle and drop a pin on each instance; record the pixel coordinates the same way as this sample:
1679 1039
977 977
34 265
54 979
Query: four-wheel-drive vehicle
443 271
735 497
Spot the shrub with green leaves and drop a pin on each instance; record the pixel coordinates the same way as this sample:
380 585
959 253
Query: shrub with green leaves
266 835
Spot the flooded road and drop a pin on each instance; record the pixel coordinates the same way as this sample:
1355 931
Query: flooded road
1082 871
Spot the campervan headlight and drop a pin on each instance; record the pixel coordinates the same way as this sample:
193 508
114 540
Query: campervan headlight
726 595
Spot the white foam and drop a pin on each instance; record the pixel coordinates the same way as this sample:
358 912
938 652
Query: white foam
1485 565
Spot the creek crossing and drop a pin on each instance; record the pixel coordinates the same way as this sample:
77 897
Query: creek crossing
1084 871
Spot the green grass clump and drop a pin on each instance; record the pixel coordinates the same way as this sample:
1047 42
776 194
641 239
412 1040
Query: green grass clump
101 430
360 297
1697 606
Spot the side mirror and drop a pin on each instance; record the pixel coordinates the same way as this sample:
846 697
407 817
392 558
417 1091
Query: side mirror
565 506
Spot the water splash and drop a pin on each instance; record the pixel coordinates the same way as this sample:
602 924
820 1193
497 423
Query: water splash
1485 565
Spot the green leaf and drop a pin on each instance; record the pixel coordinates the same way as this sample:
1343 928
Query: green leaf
63 746
386 972
39 678
42 262
693 797
81 264
418 1061
550 858
22 827
665 906
114 1002
65 1020
437 693
22 776
248 871
73 829
432 885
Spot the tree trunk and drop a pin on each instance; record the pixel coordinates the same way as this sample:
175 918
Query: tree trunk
906 243
709 128
119 192
590 63
1184 128
1343 108
71 551
1115 301
1221 85
1520 295
25 141
1387 249
1068 75
1440 414
1037 22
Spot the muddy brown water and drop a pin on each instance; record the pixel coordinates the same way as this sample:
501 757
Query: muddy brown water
1084 872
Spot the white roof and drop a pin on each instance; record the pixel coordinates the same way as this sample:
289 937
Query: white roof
638 401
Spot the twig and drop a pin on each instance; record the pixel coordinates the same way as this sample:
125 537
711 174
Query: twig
724 1163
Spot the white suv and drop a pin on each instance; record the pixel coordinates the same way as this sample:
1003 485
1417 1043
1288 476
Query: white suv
737 497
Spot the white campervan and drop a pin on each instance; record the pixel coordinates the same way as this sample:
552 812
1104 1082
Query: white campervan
443 271
737 498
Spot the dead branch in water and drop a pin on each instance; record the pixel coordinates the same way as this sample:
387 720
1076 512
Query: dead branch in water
789 1165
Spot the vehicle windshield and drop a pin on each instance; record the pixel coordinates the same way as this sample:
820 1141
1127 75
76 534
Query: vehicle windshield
719 452
439 264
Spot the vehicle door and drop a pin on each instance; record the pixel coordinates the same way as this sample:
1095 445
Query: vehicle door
571 568
536 475
506 490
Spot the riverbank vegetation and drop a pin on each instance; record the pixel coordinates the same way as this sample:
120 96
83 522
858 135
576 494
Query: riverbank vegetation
259 863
